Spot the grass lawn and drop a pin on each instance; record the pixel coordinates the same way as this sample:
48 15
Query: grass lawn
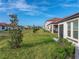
39 45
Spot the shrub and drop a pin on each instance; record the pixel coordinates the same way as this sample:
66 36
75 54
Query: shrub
68 47
35 28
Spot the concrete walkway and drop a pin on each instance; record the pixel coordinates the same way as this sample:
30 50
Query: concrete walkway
77 52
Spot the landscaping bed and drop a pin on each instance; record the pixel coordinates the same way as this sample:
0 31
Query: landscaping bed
38 45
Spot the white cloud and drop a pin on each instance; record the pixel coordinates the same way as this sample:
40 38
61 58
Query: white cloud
70 5
19 4
32 10
22 6
2 7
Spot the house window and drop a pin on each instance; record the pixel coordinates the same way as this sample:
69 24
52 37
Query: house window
75 29
55 28
3 27
69 29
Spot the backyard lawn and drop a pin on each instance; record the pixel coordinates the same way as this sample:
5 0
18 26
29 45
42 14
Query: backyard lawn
39 45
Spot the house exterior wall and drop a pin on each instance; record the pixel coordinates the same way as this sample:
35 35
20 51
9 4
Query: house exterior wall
5 28
49 27
65 29
2 28
46 26
52 28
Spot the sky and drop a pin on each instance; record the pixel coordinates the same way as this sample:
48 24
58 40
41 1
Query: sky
36 12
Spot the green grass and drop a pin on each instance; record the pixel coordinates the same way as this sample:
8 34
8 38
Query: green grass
39 45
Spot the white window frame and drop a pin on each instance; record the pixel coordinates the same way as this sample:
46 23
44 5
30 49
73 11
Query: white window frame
72 30
78 30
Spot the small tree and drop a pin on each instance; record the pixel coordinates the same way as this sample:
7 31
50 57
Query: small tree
34 29
15 32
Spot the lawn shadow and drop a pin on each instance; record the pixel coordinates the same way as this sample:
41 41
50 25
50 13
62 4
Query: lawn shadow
37 43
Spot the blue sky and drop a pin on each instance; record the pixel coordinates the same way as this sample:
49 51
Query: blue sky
37 11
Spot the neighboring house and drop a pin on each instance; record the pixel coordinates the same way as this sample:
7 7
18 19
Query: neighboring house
52 25
3 26
69 28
